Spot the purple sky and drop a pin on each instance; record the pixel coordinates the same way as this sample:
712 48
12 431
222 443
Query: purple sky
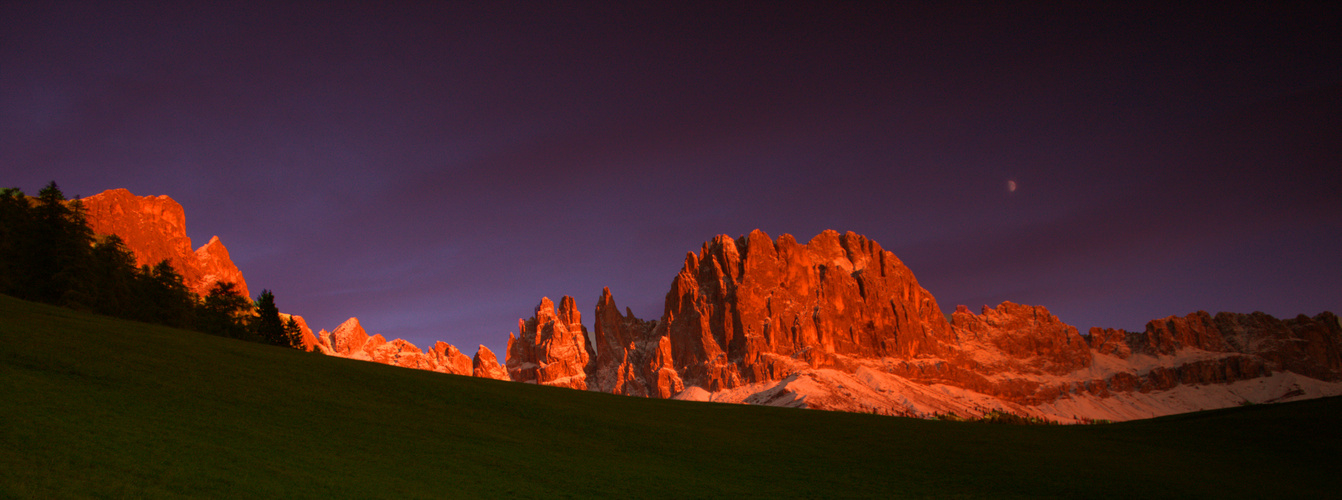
435 169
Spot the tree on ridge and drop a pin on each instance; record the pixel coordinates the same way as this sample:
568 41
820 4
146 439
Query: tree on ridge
225 312
267 325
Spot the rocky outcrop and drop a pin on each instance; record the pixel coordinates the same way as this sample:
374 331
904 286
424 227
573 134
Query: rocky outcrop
1304 345
740 310
1166 336
347 340
485 365
450 360
309 339
1031 338
1109 341
630 358
839 323
350 340
154 229
551 347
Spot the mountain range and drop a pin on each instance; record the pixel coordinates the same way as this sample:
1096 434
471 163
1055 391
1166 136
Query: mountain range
836 323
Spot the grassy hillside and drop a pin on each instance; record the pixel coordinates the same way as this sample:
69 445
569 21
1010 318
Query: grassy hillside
93 406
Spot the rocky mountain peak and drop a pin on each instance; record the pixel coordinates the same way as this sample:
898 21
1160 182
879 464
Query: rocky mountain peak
484 364
840 323
551 347
836 323
545 311
753 304
1032 337
349 336
154 229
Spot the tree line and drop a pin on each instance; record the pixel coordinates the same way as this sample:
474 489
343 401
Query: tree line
49 254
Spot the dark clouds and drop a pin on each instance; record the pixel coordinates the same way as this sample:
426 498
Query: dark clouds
435 169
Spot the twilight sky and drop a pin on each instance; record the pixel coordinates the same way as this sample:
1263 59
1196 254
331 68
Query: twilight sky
436 168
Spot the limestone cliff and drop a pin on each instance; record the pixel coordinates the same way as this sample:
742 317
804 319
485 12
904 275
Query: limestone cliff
350 340
551 347
839 323
484 364
154 229
836 323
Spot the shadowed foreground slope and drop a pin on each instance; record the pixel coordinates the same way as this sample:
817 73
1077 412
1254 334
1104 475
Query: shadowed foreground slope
94 406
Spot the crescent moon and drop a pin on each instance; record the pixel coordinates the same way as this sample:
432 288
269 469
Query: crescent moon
1011 186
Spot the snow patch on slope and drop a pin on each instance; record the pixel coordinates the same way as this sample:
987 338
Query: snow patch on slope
871 391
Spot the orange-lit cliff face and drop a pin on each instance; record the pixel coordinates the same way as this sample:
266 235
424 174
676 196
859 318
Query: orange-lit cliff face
154 229
350 340
742 311
551 347
837 323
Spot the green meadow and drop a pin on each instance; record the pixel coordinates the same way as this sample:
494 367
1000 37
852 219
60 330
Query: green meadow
98 407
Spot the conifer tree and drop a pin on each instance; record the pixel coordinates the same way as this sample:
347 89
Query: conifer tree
172 303
224 312
56 249
293 333
111 280
267 324
49 254
14 215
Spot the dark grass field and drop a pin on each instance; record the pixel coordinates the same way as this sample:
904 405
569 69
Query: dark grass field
97 407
